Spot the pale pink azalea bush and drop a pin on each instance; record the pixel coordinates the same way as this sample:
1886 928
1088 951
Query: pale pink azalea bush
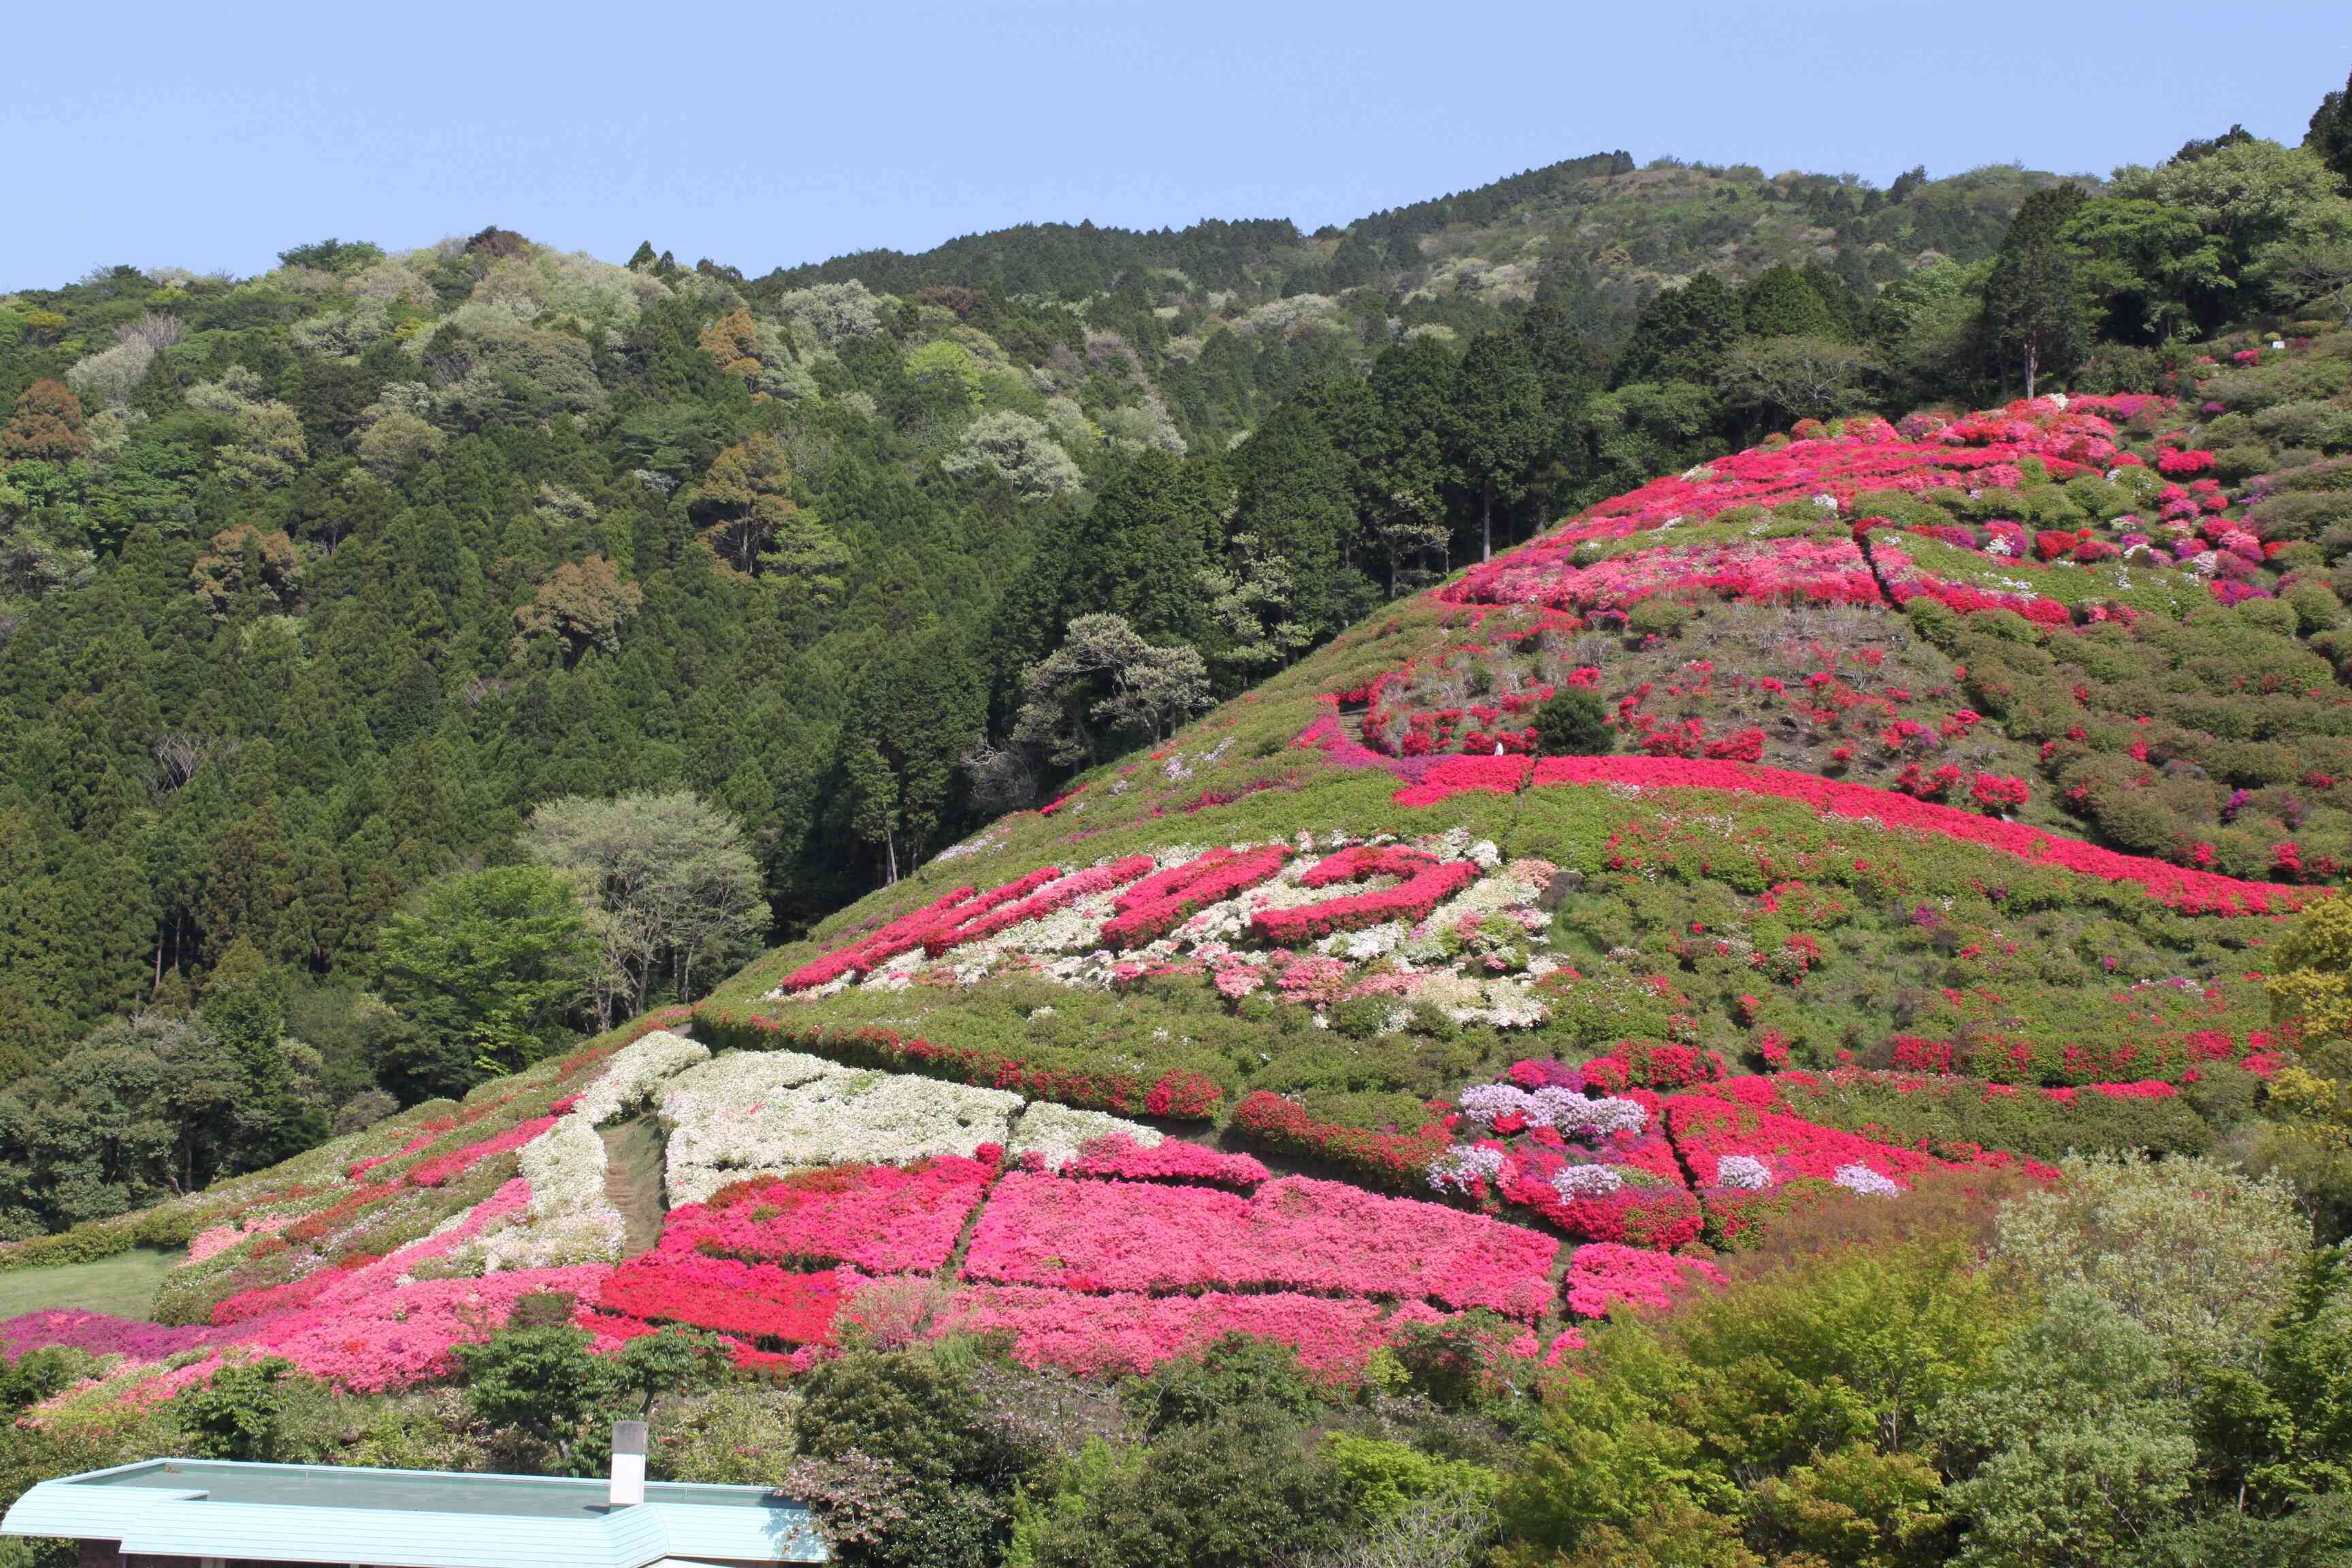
376 1339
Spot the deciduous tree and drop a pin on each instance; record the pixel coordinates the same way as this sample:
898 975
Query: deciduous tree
670 889
47 427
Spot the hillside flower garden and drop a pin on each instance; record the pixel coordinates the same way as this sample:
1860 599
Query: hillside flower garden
807 1197
1695 1140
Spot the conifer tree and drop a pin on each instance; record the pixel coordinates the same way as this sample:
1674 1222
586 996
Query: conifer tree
1781 303
1410 465
1292 495
1682 334
1498 426
2330 135
1140 549
2035 316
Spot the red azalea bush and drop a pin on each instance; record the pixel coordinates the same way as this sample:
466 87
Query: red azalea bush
1182 1095
1648 1206
1399 1161
1653 1065
1057 894
1161 903
2162 1029
1781 1160
1449 776
754 1300
909 932
1709 1128
1423 882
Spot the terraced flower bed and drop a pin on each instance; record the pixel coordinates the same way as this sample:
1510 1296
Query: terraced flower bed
1097 1246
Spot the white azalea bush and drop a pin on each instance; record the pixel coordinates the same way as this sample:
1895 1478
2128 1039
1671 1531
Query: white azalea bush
1055 1132
569 1219
768 1113
633 1074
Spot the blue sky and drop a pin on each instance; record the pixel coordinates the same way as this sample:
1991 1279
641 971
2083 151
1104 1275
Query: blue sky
766 135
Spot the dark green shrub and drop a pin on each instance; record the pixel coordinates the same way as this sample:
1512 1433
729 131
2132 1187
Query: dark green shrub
38 1374
2235 465
1574 722
540 1380
1657 616
1462 1364
238 1413
1236 1370
1240 1491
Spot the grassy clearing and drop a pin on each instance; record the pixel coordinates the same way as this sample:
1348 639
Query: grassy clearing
124 1284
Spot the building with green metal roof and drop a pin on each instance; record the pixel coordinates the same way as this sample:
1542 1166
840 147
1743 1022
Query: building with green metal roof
166 1513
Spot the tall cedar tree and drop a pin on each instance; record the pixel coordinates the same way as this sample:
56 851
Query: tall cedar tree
1498 424
1783 303
2035 316
1682 334
2331 132
1292 494
917 706
1410 465
1140 551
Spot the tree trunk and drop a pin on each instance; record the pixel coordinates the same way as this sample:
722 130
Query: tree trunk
1487 521
2032 365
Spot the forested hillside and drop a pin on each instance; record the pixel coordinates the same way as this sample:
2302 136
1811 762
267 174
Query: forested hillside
1637 870
413 659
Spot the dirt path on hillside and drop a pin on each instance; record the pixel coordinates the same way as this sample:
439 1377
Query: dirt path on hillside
634 1154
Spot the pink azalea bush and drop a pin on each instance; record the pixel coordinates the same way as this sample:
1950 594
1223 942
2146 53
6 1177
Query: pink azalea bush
883 1219
1603 1275
1294 1232
99 1334
1109 1335
1170 1160
2189 891
383 1339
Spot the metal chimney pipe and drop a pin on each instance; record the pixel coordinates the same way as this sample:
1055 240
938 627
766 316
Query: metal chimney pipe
628 1464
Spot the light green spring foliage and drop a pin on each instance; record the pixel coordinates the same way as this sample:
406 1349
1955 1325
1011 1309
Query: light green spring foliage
2191 1251
948 364
1388 1478
2311 984
2083 1452
1830 1376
